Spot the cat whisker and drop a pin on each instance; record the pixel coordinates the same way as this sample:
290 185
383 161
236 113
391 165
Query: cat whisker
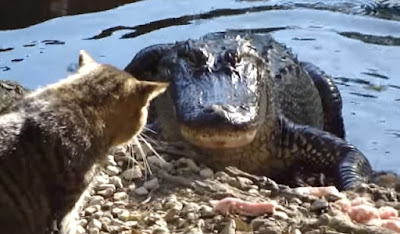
147 168
142 138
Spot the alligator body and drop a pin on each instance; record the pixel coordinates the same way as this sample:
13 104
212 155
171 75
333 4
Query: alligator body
246 101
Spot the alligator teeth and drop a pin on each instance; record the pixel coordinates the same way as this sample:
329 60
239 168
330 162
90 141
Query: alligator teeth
216 138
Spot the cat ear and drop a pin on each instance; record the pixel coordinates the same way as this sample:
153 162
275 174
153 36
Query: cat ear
151 90
85 58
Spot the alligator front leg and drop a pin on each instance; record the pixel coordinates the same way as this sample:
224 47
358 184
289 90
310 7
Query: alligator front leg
320 151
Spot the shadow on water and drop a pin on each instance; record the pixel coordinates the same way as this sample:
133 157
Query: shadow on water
22 13
183 20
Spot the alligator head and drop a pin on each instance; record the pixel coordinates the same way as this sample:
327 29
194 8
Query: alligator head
216 86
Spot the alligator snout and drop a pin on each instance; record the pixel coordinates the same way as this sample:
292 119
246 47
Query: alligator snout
220 115
220 126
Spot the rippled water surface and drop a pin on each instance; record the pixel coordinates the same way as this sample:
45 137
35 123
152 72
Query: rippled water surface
362 52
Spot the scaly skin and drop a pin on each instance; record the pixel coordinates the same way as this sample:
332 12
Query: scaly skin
226 85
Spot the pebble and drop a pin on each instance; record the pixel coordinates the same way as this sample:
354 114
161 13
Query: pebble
159 162
96 200
112 170
280 215
173 204
151 184
190 163
111 160
116 211
90 210
119 151
206 211
82 222
131 224
95 223
106 192
192 216
132 173
94 231
120 196
105 186
318 205
160 230
191 207
206 173
102 179
98 214
115 180
124 215
141 191
80 230
105 220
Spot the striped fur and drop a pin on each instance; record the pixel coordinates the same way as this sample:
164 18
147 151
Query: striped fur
54 136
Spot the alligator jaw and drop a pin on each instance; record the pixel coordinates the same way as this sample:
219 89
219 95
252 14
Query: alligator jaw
217 139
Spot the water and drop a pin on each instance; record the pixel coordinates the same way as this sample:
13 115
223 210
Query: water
361 52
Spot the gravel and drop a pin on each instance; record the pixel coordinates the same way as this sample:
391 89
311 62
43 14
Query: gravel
176 197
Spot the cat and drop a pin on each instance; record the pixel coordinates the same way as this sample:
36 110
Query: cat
52 138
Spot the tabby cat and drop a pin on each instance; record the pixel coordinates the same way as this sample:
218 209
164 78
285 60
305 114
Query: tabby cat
52 138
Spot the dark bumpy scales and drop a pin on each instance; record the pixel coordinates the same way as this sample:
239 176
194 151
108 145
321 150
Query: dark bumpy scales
226 87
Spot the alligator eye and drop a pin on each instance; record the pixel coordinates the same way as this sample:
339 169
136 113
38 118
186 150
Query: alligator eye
193 56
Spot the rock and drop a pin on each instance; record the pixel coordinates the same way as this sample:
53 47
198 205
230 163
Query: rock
230 227
280 215
80 230
102 179
132 173
82 222
115 180
131 187
160 162
116 211
105 186
119 151
206 173
160 230
120 196
318 205
173 204
106 193
105 220
244 183
90 210
151 184
190 163
112 170
131 224
98 214
192 216
111 160
124 215
94 231
191 207
96 200
206 211
94 223
141 191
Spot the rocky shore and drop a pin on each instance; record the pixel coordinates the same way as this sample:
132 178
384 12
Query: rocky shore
180 196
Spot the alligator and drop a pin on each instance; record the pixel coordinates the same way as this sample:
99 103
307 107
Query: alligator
245 100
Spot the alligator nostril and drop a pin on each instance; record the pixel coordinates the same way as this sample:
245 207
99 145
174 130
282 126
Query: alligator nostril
208 109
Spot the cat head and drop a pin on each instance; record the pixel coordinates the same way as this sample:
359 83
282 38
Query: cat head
128 98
